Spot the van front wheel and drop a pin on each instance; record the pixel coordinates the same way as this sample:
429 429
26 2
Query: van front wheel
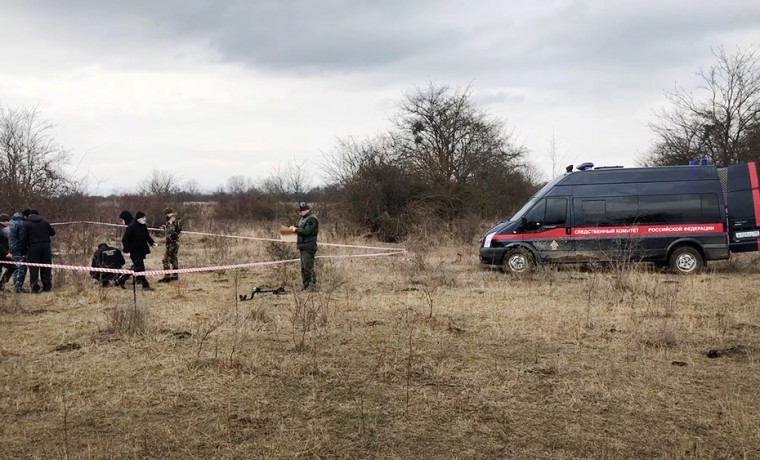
686 260
519 261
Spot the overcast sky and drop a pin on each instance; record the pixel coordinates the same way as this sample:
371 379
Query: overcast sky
212 89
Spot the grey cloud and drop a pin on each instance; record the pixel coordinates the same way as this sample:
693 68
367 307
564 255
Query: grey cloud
336 36
572 44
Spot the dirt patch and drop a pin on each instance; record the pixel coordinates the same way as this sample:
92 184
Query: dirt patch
68 347
731 352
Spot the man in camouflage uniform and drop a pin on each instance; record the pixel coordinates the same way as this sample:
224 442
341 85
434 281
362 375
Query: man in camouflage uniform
172 229
307 230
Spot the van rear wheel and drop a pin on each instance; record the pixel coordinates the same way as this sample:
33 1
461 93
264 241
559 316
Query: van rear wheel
518 261
686 260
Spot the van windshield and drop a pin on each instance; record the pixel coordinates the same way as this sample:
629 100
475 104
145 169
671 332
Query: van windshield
534 199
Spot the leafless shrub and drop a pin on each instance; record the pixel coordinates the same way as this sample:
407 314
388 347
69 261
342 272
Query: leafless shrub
330 275
74 245
277 250
128 319
310 314
204 329
623 261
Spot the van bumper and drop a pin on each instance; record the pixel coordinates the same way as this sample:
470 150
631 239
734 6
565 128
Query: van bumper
492 256
719 252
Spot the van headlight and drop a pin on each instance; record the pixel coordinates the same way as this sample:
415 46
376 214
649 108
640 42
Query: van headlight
487 240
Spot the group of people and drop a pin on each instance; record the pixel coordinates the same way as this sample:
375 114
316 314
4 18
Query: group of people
136 244
26 237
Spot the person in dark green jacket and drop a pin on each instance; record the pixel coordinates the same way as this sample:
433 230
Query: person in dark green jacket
307 230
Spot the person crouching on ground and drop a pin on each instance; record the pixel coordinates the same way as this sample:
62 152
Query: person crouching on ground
137 243
172 229
106 257
307 230
35 245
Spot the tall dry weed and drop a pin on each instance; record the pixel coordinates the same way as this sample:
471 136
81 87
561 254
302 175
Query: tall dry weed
128 319
310 316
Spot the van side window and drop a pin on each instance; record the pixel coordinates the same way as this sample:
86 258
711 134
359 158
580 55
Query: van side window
556 211
592 212
622 210
683 208
648 209
537 213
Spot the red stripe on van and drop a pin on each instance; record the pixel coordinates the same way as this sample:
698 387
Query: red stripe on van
625 231
755 194
755 190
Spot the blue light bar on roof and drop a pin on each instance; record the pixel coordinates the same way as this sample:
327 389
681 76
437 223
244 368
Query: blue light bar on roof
584 166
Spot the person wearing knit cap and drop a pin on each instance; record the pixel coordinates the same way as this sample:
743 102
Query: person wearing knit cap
137 243
172 230
6 258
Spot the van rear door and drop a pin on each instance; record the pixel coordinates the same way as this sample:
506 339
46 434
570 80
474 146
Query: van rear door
743 207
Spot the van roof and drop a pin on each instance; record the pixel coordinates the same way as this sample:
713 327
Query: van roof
650 174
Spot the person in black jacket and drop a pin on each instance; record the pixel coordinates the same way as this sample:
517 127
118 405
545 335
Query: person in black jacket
106 257
137 243
35 245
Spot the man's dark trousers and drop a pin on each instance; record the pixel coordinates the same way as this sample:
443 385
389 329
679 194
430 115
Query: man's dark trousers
308 276
139 266
40 253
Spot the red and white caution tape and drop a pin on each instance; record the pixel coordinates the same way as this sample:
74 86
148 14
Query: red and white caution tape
384 251
238 237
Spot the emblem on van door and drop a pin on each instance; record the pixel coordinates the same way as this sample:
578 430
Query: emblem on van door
554 245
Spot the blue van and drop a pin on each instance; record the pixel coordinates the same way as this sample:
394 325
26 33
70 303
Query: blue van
676 216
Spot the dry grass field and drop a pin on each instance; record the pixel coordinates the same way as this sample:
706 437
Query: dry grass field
425 355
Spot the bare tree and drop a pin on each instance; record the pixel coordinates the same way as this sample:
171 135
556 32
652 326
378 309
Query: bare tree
446 140
291 181
720 122
161 184
459 152
191 187
558 160
444 161
31 162
239 185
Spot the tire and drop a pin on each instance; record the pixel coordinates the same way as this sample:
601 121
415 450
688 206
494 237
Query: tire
518 261
685 260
